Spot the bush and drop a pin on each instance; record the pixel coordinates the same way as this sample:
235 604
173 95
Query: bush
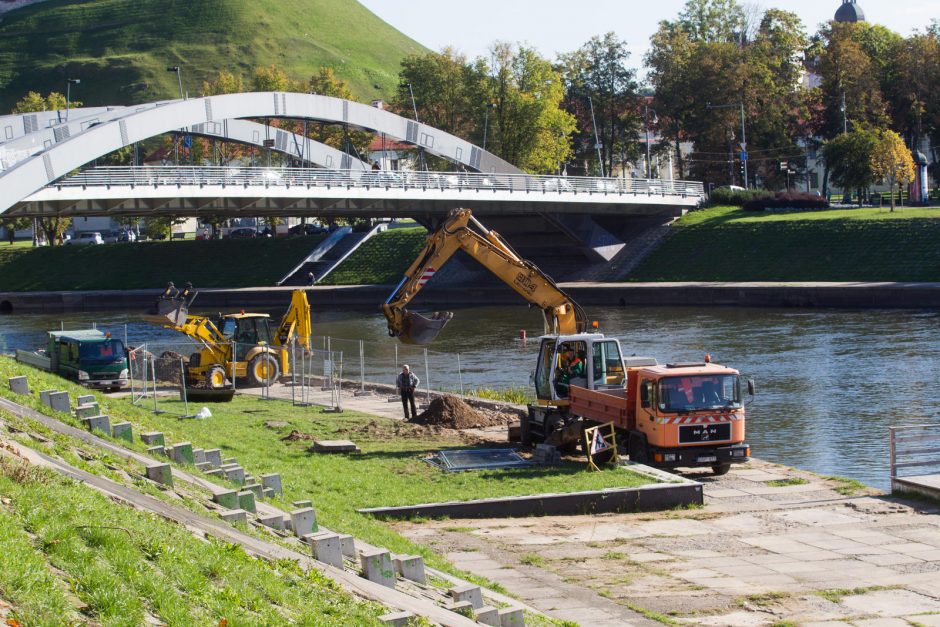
787 200
736 197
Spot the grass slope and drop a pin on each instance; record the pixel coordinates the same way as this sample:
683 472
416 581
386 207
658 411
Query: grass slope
380 261
729 244
120 49
217 263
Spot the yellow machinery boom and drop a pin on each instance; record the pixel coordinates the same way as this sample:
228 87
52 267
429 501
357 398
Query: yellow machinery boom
562 315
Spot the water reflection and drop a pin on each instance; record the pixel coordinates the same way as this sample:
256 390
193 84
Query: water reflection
830 383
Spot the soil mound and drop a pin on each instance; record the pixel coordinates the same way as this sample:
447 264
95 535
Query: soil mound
452 413
296 435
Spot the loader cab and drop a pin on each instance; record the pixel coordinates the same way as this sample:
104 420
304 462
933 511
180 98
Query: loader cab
587 360
247 331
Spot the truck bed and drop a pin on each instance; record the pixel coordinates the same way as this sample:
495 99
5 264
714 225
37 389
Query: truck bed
601 405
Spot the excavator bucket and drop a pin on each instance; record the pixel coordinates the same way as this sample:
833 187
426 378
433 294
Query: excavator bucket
418 329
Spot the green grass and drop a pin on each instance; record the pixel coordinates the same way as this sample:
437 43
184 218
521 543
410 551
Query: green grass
848 487
389 472
532 559
835 595
729 244
215 263
120 49
517 395
380 261
783 483
125 565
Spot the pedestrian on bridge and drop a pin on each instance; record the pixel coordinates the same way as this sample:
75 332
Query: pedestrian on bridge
406 383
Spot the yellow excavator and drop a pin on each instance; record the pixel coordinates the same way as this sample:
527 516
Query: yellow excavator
261 354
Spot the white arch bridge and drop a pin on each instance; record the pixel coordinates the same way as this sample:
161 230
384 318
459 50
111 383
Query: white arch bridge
42 156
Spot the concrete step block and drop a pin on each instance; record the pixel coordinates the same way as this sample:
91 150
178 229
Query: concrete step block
467 592
411 567
60 402
275 521
87 410
214 457
44 397
334 446
464 608
302 504
235 474
304 521
215 472
199 456
228 460
250 479
397 619
160 473
273 481
377 566
348 544
123 431
203 467
153 451
246 500
234 516
182 453
326 548
227 499
98 423
86 399
512 617
153 438
256 488
487 615
19 385
269 493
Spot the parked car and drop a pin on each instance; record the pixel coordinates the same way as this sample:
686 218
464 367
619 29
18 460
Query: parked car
85 239
243 232
306 229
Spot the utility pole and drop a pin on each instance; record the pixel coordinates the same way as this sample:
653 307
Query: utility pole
597 140
68 94
845 119
743 134
649 164
486 121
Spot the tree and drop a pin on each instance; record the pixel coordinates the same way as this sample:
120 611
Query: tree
849 160
12 224
223 83
892 161
713 20
54 228
442 83
326 83
33 102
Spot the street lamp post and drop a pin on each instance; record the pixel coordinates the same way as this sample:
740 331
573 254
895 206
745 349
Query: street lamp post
486 121
597 140
68 94
845 119
179 78
649 164
743 134
414 105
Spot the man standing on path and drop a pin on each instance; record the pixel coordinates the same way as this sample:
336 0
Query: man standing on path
406 383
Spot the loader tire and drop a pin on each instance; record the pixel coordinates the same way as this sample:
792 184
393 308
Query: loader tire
263 370
215 378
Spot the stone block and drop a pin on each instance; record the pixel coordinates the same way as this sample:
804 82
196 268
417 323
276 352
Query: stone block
246 500
227 499
469 593
214 457
334 446
19 385
123 431
397 619
203 467
85 399
215 472
87 411
512 617
156 450
153 438
44 397
326 548
546 454
228 461
256 488
182 453
60 402
272 481
411 567
199 456
487 615
275 521
348 544
234 516
160 473
464 608
377 566
302 504
235 474
268 493
303 521
98 423
250 479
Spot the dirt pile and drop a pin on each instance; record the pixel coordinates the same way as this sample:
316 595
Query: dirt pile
452 413
296 435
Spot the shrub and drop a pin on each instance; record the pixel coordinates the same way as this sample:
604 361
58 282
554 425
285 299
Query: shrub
736 197
787 200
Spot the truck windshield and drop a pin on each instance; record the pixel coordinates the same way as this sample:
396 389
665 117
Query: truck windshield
106 351
699 392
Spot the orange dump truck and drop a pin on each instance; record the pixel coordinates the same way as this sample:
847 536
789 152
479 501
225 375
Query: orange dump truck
684 414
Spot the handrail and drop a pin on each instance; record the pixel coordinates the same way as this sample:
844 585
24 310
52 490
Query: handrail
157 176
918 456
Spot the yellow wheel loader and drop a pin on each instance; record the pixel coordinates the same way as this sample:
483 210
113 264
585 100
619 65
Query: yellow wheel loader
243 346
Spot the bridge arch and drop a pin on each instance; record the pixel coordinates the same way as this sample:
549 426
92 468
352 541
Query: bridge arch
32 174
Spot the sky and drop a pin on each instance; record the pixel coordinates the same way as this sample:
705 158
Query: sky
553 26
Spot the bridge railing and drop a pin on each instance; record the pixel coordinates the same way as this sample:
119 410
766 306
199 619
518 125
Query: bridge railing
381 179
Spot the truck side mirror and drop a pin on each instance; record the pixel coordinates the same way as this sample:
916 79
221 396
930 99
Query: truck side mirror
645 394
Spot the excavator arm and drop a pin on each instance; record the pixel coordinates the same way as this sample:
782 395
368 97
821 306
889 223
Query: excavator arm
172 312
296 322
562 315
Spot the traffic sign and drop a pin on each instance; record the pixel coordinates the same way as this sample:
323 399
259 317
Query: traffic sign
743 155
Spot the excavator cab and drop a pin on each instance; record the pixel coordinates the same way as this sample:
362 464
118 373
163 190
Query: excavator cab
587 360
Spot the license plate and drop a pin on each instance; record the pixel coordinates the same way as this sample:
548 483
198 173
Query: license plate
709 458
720 432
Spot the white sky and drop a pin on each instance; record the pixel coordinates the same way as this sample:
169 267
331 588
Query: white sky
554 26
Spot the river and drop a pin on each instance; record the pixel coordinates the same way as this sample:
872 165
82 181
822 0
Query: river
829 383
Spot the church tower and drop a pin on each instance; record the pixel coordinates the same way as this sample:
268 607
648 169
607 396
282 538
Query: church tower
850 12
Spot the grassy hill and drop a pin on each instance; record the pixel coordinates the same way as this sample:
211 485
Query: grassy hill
120 49
729 244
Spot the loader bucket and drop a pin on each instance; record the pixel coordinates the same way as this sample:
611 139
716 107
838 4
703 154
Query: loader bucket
172 310
421 330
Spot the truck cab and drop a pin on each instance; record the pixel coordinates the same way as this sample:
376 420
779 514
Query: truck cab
90 357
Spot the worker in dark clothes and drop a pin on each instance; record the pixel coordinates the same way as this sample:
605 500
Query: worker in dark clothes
406 383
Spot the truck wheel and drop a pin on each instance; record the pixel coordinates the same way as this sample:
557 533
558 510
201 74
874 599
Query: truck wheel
215 378
721 469
263 370
637 448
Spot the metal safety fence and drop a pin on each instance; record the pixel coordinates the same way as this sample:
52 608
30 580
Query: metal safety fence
157 373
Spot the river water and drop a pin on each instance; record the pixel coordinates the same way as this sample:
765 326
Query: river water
829 383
